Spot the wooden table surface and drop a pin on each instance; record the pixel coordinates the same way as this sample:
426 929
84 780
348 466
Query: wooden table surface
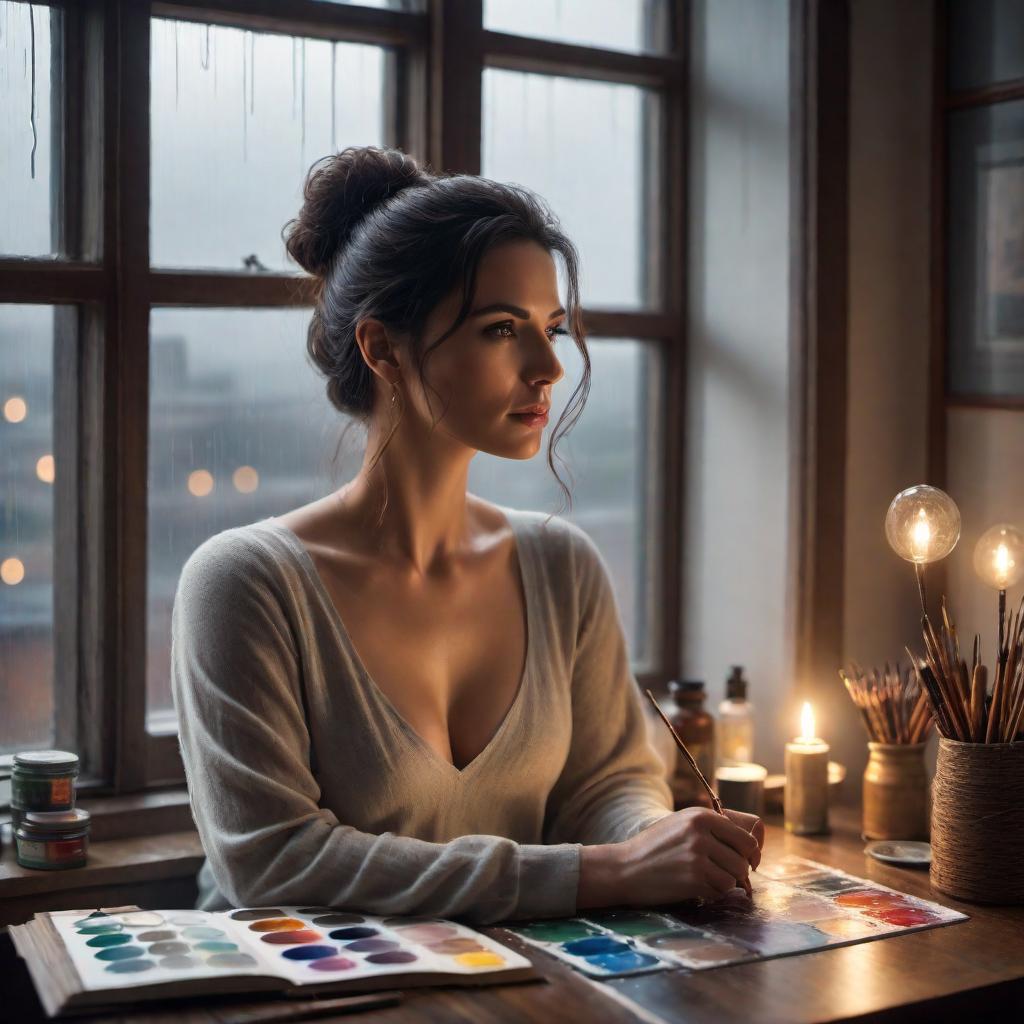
973 967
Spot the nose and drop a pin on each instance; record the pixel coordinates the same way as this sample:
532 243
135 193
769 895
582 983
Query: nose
543 365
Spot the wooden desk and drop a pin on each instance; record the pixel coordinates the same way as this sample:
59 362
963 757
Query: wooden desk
974 967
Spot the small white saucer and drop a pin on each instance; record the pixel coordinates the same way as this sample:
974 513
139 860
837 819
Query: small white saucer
901 851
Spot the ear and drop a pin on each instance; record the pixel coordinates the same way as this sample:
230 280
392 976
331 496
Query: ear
379 350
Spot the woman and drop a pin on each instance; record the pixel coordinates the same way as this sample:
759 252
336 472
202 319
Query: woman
402 698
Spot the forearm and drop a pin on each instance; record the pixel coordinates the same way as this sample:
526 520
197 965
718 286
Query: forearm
602 877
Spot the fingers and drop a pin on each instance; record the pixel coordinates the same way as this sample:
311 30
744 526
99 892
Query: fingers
750 823
728 860
719 879
728 830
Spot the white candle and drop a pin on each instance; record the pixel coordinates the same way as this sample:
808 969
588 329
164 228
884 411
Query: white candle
805 801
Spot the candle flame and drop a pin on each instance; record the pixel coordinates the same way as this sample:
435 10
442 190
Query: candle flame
921 535
807 722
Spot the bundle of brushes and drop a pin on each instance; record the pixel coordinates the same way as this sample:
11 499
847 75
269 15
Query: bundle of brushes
960 702
892 704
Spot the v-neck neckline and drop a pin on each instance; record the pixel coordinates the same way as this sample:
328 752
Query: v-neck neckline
523 556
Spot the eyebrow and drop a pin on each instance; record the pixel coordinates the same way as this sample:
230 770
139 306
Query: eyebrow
507 307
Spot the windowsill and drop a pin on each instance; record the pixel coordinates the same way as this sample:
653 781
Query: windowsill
136 838
147 858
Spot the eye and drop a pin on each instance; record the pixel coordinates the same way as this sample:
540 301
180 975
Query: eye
508 325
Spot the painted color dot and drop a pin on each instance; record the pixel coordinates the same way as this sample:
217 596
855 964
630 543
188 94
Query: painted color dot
292 938
328 920
130 966
256 915
120 953
161 936
428 932
143 919
231 960
595 944
484 959
169 948
847 927
631 924
872 898
451 946
203 933
100 928
176 963
333 963
309 952
678 943
353 933
372 945
396 956
556 931
903 916
630 961
315 910
108 940
184 920
213 946
277 924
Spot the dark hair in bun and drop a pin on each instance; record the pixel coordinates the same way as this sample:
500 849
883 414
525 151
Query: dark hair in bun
387 238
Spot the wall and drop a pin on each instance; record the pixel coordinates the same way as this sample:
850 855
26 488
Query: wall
738 429
890 168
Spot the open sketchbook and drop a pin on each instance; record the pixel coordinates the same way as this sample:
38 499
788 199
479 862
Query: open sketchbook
84 960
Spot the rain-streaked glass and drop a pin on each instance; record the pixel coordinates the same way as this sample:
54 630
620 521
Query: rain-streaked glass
608 455
634 25
985 42
581 146
985 295
240 428
28 171
238 117
26 530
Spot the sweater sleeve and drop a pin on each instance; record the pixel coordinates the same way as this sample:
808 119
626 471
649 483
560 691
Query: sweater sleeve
236 681
612 785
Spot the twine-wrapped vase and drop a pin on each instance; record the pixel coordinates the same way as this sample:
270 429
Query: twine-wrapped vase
896 797
978 821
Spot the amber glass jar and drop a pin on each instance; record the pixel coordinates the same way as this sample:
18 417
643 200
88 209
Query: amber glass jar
696 728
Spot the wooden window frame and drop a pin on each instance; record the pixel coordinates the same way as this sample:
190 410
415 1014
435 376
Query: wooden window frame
106 289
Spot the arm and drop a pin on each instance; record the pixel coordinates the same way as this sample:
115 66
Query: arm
612 784
237 687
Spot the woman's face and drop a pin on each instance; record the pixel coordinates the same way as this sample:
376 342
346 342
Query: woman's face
501 359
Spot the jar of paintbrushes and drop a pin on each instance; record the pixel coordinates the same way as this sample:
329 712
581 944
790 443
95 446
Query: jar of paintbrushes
978 810
894 709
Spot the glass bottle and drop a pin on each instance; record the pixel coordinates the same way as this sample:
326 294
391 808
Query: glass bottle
696 728
735 721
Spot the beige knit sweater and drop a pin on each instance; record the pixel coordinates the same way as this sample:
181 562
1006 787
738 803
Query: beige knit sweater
308 787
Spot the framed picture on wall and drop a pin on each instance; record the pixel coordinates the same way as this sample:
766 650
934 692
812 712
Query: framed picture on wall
985 354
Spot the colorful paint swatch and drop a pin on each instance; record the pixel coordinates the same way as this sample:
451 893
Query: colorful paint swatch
796 906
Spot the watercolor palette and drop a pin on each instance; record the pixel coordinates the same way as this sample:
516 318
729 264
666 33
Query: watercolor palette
797 906
301 945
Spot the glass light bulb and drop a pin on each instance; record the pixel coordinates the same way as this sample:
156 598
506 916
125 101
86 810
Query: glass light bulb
999 556
922 524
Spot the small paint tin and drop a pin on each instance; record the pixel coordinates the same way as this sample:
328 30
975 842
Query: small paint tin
51 840
43 780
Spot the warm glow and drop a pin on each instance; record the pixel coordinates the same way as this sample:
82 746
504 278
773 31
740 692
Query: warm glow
45 469
15 410
807 722
245 479
12 571
921 535
200 483
1002 563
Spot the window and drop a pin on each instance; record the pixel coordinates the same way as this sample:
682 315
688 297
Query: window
171 271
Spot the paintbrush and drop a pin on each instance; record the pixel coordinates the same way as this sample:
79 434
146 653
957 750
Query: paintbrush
715 802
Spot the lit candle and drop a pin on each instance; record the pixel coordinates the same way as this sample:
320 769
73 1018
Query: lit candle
805 801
